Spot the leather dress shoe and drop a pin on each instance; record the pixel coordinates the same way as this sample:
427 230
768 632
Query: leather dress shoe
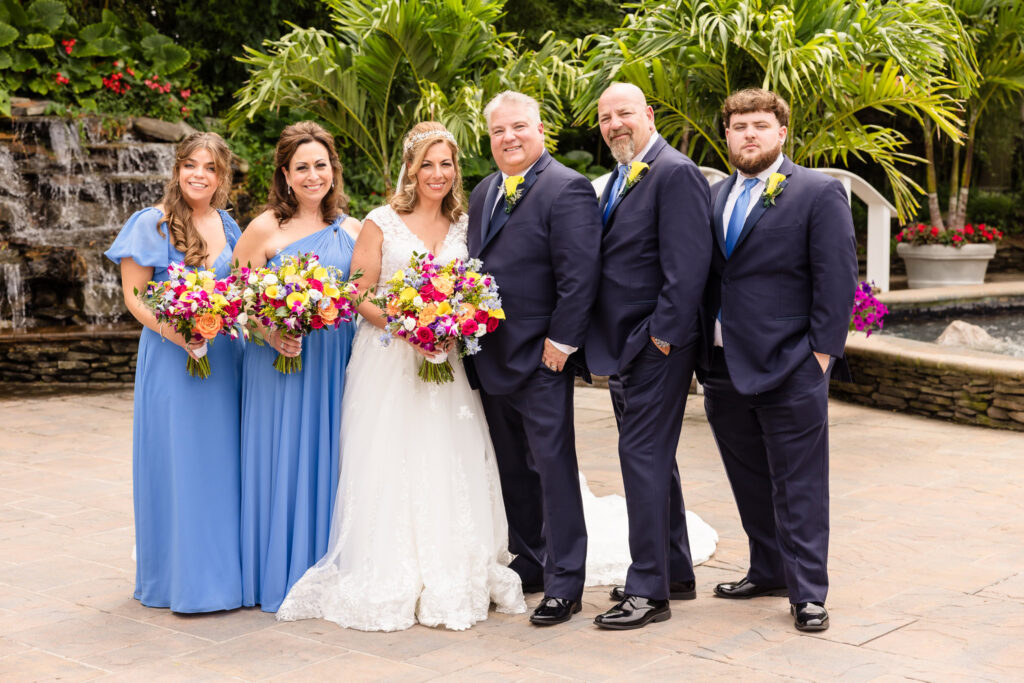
809 616
744 589
532 588
552 611
633 612
677 590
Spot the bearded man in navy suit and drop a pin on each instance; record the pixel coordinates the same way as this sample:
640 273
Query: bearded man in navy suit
536 227
778 304
645 334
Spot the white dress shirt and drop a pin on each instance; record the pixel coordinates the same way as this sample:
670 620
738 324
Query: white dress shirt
730 202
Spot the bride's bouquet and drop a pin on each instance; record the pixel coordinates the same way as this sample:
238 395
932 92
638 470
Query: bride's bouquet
199 306
299 296
436 306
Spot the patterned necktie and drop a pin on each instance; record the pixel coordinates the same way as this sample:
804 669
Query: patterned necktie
616 188
739 216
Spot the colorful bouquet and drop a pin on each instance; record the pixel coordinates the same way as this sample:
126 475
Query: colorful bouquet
969 234
868 312
299 296
199 306
436 306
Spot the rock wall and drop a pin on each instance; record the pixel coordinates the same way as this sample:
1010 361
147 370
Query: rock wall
971 387
85 357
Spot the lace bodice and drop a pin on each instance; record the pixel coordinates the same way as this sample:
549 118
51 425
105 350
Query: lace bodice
400 242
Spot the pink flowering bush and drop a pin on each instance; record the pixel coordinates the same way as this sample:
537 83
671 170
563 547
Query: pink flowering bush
868 312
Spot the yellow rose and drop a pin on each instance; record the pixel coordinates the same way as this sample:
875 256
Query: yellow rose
208 286
271 291
512 184
635 169
407 294
286 271
773 181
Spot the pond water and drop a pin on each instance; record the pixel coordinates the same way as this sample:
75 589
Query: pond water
1004 325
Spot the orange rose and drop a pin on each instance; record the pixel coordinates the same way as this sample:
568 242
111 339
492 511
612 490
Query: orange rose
208 325
428 314
442 284
393 308
466 312
329 314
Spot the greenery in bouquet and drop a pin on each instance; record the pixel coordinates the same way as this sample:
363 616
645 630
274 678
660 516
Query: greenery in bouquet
298 297
921 234
199 307
437 307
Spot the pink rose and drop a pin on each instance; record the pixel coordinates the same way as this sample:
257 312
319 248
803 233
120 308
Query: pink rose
424 335
469 328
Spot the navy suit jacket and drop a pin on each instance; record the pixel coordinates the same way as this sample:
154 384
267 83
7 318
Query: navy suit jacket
545 259
787 289
655 255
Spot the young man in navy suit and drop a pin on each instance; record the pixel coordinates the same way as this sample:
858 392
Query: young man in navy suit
777 309
645 334
536 227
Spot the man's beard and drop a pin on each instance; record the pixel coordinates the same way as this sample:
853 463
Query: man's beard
753 166
623 150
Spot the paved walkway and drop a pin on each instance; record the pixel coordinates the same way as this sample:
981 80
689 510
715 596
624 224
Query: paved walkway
927 568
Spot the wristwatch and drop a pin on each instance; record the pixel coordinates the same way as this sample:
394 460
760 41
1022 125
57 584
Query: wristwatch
661 343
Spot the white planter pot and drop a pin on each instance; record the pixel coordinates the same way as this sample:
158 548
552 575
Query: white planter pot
938 265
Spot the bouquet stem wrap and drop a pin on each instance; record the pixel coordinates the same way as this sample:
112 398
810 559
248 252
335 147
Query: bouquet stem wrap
437 369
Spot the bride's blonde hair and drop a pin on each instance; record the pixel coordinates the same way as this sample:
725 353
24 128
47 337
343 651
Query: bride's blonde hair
421 138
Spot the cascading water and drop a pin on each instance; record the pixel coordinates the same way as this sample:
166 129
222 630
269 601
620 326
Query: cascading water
64 193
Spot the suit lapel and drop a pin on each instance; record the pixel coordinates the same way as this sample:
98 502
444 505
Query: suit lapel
759 209
488 208
528 180
719 214
648 159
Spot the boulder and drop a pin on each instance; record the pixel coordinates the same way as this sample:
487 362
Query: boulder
966 335
162 131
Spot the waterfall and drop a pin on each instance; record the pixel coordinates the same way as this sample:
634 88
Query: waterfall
14 295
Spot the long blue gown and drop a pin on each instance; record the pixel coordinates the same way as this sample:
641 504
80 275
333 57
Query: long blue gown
291 427
185 450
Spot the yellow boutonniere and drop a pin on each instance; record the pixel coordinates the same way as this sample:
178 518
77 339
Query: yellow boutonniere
773 188
512 191
636 173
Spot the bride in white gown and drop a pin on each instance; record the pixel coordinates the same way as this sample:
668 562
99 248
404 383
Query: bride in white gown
419 533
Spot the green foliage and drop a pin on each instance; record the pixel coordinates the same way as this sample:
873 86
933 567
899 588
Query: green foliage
997 210
109 66
834 61
386 65
570 19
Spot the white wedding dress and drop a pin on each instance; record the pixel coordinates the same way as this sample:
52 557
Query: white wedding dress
418 533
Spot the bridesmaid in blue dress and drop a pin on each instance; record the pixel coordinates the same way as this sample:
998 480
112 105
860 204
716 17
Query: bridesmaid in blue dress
185 439
291 423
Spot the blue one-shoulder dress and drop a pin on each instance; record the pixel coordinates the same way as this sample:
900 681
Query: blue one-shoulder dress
291 428
185 449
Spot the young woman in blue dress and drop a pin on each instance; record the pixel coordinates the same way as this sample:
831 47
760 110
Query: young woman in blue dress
185 440
291 423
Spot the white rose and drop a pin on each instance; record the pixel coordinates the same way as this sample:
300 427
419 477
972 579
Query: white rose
315 295
481 331
270 279
248 293
242 318
253 278
417 302
409 324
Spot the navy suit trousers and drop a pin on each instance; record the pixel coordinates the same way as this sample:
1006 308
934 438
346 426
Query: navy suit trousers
774 446
649 399
535 446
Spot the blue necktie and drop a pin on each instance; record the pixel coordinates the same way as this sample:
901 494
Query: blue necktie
739 216
616 188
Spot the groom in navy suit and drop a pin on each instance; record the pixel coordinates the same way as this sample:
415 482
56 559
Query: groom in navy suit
536 227
645 334
777 308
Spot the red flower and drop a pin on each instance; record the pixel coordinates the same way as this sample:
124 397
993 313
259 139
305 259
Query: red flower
492 324
186 93
316 284
968 229
469 328
316 322
424 335
68 45
131 71
899 237
958 238
62 79
481 317
935 231
427 292
920 227
439 296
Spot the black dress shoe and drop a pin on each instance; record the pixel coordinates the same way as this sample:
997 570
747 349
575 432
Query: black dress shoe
742 590
809 616
677 590
634 612
552 611
532 588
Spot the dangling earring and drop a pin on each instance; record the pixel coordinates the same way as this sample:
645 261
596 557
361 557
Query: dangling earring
332 184
290 190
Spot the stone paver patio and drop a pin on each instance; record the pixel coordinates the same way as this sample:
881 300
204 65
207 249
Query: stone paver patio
927 568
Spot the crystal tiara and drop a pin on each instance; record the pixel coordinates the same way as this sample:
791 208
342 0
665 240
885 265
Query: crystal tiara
429 134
